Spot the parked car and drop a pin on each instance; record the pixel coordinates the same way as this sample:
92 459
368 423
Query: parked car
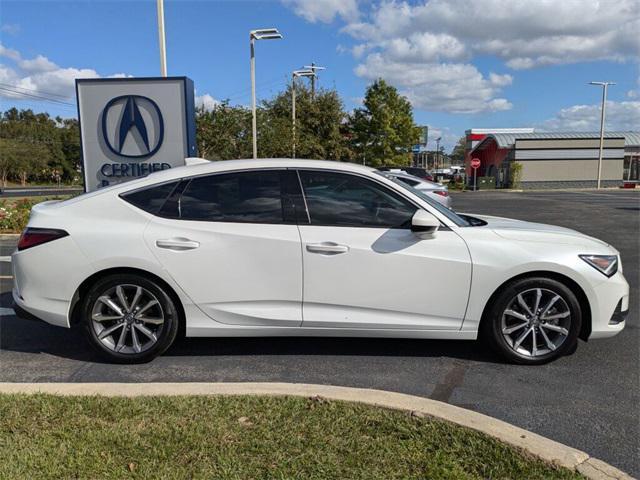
437 191
307 248
419 172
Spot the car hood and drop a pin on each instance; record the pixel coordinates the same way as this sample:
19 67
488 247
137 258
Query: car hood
539 232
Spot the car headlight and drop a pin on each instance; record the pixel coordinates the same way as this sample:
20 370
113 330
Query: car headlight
605 264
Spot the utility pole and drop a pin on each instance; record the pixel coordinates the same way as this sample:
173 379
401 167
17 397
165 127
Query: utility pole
161 38
604 86
313 67
294 74
261 34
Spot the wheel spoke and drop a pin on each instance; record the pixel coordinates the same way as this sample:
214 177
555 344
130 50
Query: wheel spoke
514 328
111 304
122 297
549 305
549 343
518 315
99 317
555 328
537 304
151 320
149 304
534 341
135 341
121 340
108 331
556 316
524 305
146 331
522 337
136 298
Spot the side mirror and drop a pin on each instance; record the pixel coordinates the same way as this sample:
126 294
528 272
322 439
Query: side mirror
423 224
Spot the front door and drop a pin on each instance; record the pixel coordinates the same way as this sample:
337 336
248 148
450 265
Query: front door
365 268
230 241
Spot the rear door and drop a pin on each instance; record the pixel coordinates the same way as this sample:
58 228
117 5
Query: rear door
231 242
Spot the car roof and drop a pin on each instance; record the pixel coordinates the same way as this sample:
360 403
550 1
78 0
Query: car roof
205 166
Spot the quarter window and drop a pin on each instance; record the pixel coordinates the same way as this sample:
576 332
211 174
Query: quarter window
152 198
350 201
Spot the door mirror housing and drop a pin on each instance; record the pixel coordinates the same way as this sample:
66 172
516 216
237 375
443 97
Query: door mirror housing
423 224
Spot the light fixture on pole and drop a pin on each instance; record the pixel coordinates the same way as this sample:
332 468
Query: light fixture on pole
161 38
313 67
604 86
260 34
294 75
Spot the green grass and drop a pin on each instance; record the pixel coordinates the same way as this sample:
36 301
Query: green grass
44 436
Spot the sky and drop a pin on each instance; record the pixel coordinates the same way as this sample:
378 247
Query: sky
462 63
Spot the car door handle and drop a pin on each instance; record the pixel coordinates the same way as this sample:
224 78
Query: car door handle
327 248
178 244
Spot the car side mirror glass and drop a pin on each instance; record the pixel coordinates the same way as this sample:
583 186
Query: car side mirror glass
423 224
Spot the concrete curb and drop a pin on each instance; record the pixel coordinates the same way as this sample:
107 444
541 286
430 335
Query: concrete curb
541 447
9 235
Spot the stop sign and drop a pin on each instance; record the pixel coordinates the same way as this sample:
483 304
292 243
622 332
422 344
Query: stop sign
475 162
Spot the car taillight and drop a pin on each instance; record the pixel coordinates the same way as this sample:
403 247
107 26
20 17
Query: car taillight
442 193
37 236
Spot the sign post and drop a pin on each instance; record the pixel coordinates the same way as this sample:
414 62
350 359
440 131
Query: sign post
475 164
131 127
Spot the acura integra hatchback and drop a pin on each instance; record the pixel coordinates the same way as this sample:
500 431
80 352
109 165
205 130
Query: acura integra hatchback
307 248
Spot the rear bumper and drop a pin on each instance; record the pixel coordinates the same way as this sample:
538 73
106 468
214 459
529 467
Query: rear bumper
25 315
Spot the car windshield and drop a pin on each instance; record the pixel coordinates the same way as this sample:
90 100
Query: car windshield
450 214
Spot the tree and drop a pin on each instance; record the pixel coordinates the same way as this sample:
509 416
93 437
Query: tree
383 131
224 132
458 151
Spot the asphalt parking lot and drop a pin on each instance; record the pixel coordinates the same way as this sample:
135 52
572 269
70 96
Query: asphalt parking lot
590 400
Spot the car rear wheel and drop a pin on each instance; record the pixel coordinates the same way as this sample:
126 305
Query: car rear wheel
533 321
129 318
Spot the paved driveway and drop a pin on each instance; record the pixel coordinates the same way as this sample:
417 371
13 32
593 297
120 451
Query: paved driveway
590 400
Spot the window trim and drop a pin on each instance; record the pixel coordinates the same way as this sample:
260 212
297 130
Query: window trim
365 177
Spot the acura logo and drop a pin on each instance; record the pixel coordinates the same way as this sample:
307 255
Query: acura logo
132 126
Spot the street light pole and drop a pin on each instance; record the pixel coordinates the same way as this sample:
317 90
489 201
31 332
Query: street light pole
296 73
261 34
313 67
161 38
604 86
437 155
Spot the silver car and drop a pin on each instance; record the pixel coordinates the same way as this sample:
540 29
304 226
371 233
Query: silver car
436 191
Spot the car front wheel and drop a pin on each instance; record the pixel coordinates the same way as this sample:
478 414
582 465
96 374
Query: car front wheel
129 318
533 321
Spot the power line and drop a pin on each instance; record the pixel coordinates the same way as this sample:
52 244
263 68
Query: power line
34 90
39 97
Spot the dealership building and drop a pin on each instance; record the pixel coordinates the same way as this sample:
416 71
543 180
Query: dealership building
553 159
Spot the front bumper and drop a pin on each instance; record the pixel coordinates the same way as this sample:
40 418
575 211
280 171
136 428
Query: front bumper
610 306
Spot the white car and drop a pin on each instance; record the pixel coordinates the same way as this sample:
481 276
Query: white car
306 248
436 191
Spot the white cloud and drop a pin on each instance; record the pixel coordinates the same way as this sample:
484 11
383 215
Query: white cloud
39 76
448 87
522 32
206 101
10 28
425 46
621 116
324 11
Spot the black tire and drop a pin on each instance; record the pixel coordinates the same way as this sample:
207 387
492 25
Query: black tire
166 332
491 328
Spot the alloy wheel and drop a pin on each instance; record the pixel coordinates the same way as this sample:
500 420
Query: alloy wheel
127 319
536 322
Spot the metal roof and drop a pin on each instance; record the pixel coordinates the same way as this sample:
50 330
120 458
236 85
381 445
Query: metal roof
507 140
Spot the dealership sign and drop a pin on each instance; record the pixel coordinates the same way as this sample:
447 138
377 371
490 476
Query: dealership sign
130 127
